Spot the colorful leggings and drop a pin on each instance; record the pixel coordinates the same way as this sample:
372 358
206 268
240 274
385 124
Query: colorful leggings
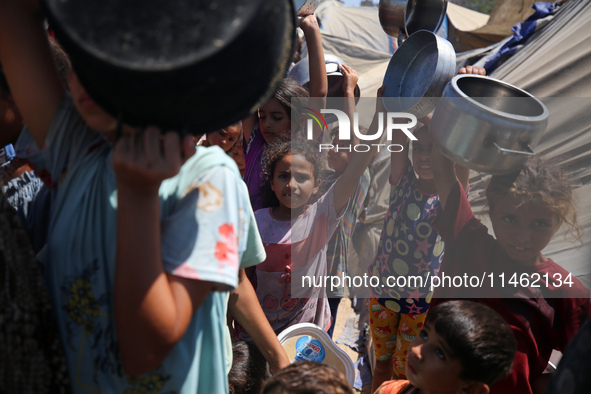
392 334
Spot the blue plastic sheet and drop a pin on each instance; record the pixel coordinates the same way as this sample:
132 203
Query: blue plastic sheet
520 33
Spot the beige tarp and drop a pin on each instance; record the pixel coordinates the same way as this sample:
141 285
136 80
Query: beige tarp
556 62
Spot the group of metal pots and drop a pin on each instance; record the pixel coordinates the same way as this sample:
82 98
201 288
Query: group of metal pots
480 122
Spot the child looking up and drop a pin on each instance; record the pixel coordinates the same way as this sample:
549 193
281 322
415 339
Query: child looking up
463 347
527 207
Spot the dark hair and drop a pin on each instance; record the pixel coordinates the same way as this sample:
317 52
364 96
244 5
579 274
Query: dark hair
478 337
307 377
246 372
275 152
538 180
286 91
61 59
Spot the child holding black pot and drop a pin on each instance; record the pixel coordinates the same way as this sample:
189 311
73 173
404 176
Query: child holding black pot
143 243
274 120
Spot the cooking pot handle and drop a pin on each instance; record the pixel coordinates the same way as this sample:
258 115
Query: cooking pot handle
518 152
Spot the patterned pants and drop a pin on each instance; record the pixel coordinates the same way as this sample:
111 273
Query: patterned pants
392 334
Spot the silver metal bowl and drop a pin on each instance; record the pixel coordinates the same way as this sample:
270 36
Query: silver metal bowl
417 74
488 125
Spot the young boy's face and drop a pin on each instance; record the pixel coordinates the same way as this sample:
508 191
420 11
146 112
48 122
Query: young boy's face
338 160
430 366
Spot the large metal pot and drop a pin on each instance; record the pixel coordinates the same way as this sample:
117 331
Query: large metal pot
487 125
196 66
404 17
417 74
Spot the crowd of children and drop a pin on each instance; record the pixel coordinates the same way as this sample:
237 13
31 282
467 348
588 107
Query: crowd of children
161 255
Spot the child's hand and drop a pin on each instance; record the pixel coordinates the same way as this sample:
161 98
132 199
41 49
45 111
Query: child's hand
350 80
472 70
143 159
308 23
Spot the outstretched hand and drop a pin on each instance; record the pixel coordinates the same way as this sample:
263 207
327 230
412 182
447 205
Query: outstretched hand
143 159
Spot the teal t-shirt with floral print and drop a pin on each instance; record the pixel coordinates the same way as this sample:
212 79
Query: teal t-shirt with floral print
207 223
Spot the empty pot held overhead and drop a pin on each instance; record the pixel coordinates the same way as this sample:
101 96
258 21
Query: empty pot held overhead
488 125
417 74
409 16
178 64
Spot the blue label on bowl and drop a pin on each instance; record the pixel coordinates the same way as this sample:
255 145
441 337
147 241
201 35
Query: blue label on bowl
309 349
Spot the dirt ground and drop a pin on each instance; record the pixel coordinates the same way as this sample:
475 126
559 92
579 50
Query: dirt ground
342 315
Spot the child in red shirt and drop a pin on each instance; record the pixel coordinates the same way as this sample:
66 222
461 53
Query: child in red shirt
527 208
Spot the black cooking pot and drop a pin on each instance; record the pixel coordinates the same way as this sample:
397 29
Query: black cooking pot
190 65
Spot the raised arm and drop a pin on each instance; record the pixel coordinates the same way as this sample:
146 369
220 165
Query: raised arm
445 172
318 80
28 65
350 79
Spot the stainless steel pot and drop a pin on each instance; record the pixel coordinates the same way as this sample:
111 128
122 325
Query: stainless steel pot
487 125
417 74
401 18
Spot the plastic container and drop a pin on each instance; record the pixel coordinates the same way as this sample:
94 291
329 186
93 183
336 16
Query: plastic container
308 342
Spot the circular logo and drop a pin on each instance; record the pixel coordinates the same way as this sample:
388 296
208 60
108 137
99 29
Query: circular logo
309 349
